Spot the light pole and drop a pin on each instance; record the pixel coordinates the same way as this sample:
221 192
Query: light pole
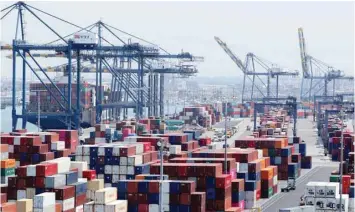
341 157
225 138
38 92
163 151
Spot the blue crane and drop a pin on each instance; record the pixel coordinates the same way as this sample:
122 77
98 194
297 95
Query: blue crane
270 70
316 74
103 54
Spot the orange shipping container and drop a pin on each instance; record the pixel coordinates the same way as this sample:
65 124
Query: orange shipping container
8 163
4 148
8 207
266 173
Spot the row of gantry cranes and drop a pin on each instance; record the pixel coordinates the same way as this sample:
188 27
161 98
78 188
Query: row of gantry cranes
137 71
316 75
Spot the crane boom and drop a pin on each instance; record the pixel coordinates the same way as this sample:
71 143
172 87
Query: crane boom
303 53
231 54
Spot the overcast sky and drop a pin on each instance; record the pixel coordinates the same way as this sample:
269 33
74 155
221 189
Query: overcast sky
268 29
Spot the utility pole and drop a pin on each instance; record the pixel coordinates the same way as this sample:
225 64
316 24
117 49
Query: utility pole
341 157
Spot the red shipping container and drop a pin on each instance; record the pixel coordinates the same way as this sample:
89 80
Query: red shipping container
132 198
42 148
127 151
12 194
89 174
187 187
198 198
197 208
21 171
132 187
46 169
185 199
21 184
223 181
64 153
142 198
40 182
153 187
3 198
80 200
24 149
143 207
182 170
64 192
30 182
46 156
223 204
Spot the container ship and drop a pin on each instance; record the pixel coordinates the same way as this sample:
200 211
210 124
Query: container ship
49 105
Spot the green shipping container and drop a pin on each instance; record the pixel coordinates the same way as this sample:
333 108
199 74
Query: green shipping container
8 172
334 178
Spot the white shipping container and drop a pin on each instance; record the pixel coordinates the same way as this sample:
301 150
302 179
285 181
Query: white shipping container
116 151
153 208
345 202
17 140
166 208
63 164
79 150
58 145
274 180
310 189
115 169
249 204
117 206
80 165
331 204
86 38
130 170
123 170
166 198
260 153
30 193
99 208
79 208
250 195
89 206
123 177
108 185
45 208
139 148
135 160
4 155
351 203
86 159
99 140
309 200
44 199
166 186
100 176
31 170
243 167
79 157
105 195
67 203
332 189
320 203
21 194
11 148
115 178
123 161
55 181
175 149
101 151
108 169
320 189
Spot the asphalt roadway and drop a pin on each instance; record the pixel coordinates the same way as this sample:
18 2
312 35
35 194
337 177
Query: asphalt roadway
321 169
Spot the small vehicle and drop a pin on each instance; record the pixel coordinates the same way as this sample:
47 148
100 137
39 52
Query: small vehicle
302 202
291 185
248 128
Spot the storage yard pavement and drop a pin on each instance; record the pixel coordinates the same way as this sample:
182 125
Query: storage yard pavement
321 169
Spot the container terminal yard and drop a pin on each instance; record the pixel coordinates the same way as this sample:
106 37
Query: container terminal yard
123 125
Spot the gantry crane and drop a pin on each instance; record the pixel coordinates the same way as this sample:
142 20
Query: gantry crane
316 74
270 70
103 54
